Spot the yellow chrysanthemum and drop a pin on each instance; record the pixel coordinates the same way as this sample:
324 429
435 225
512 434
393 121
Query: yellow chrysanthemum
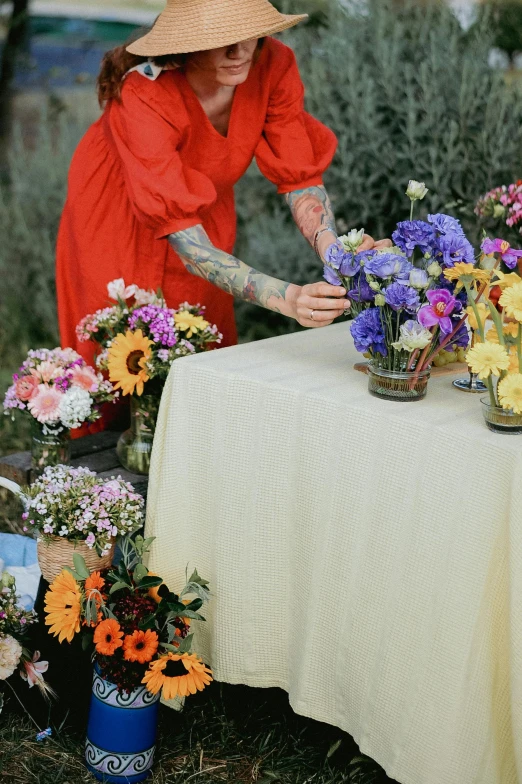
487 358
514 365
510 331
187 322
506 280
128 357
510 392
463 270
511 301
177 675
62 607
483 313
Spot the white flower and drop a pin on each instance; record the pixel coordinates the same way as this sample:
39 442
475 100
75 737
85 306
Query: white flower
416 190
434 270
10 652
419 278
352 240
118 290
143 297
413 336
380 300
75 407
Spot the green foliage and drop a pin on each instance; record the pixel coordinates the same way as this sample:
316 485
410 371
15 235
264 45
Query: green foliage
506 18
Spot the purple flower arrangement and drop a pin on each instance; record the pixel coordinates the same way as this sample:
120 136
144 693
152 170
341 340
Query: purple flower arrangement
405 308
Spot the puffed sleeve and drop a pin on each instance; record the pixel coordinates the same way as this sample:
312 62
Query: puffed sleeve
166 195
295 149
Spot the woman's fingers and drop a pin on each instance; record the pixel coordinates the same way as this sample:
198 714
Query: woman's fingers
325 303
322 289
383 244
367 244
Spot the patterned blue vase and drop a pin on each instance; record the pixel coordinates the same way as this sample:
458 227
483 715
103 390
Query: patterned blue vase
121 733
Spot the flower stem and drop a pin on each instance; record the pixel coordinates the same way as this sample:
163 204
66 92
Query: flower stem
411 210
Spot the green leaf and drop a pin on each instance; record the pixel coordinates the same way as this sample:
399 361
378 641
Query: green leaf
168 647
333 748
86 641
139 573
80 566
150 582
118 586
195 578
194 616
185 646
194 605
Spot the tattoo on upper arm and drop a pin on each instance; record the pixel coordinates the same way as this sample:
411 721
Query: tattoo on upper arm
311 210
203 259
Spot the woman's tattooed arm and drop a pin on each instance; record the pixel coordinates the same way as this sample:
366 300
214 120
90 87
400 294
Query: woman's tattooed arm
203 259
312 212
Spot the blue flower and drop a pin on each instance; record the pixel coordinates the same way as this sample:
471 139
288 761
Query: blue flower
334 255
342 260
331 276
451 248
445 224
387 265
401 297
361 291
368 333
414 234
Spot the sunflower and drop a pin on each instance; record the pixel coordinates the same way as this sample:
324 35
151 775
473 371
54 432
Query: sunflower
127 360
465 272
483 312
140 646
62 607
187 322
510 392
108 636
177 675
487 358
511 301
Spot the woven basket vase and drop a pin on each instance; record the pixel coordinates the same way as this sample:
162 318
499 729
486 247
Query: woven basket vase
57 553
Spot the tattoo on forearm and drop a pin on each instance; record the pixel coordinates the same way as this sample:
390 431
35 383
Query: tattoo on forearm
203 259
312 211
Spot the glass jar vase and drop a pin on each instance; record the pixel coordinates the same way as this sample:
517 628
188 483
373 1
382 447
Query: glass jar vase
398 385
134 447
48 449
501 420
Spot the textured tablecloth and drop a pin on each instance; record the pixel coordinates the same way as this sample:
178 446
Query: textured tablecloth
364 555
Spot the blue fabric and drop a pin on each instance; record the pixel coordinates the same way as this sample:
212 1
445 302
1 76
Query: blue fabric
16 550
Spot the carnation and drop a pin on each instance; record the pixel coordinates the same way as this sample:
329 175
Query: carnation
10 653
75 407
368 332
414 234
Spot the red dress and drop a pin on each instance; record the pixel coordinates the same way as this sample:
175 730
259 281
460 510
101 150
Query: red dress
153 164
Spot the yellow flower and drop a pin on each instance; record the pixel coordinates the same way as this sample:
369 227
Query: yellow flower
187 322
483 313
510 331
510 392
511 301
505 280
62 607
463 270
128 357
486 358
177 675
514 366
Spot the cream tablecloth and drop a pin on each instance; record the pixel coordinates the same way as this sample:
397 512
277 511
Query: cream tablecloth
364 555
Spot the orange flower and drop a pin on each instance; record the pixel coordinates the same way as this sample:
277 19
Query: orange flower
62 607
177 675
94 582
107 637
140 646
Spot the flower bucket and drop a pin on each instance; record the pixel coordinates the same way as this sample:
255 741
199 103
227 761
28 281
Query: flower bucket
134 447
402 386
500 420
48 449
121 733
56 552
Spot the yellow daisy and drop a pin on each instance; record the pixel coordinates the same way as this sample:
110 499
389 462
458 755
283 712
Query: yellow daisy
177 675
187 322
505 280
62 607
463 270
487 358
483 313
128 357
514 365
510 331
511 301
510 392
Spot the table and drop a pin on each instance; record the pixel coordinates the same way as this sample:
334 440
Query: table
364 555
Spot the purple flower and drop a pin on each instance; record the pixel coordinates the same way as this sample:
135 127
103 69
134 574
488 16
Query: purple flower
361 291
461 338
368 333
331 276
341 260
414 234
438 312
388 265
452 248
509 255
160 322
445 224
401 297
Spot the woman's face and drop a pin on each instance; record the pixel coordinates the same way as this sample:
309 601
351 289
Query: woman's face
229 65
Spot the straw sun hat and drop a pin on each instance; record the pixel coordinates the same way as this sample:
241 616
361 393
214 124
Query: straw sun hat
196 25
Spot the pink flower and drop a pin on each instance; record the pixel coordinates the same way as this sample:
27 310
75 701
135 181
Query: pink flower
118 290
85 378
26 387
46 371
45 405
437 313
31 671
509 255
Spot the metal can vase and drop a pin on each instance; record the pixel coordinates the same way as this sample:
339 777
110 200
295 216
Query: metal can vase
121 733
401 386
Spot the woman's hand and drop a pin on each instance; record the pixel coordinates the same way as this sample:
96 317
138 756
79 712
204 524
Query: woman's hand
317 304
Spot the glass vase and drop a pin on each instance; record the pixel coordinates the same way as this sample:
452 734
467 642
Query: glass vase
134 447
48 449
501 420
398 385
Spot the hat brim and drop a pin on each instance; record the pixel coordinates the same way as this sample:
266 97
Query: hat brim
168 38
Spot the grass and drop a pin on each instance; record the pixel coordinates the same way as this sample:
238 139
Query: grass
227 734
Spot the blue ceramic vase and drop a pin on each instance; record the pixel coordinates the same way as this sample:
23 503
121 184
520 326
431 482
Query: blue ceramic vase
121 734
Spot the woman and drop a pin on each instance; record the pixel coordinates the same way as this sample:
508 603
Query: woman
150 199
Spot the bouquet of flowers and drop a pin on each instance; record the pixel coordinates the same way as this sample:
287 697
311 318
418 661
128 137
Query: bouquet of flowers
58 389
140 337
139 629
503 205
77 505
406 300
15 623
